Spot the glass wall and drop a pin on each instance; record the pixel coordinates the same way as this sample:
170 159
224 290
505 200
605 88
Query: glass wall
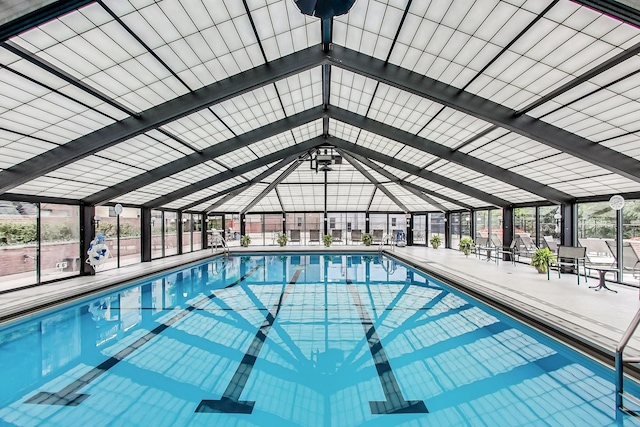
60 241
108 226
465 224
455 229
482 227
419 229
597 230
170 233
496 228
525 224
157 246
187 233
548 224
378 226
232 228
253 228
314 227
436 225
18 244
272 227
130 250
631 235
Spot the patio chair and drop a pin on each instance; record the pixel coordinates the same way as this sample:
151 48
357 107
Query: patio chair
496 242
377 236
570 256
314 236
356 236
598 251
295 236
337 235
630 258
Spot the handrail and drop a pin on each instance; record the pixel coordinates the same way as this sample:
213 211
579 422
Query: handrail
386 239
619 361
217 239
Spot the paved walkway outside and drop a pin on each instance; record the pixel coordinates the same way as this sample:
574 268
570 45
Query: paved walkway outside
596 317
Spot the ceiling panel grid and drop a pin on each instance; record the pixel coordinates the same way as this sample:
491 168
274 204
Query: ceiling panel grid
201 129
251 110
370 26
237 157
304 174
281 27
269 203
444 191
401 109
344 131
451 128
16 148
351 91
452 40
508 151
238 203
409 199
566 42
301 92
57 187
604 113
198 208
302 197
91 46
202 42
627 144
348 197
308 131
382 203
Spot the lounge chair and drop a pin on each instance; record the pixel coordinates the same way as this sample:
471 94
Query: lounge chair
314 236
295 236
356 236
377 236
525 245
337 235
496 242
598 251
630 259
548 242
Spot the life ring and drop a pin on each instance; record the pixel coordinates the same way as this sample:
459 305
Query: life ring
98 251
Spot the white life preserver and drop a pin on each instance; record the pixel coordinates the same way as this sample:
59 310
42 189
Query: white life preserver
98 252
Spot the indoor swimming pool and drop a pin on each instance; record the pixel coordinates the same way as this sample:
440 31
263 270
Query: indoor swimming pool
294 340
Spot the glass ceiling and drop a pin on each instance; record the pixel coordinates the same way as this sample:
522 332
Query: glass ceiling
221 105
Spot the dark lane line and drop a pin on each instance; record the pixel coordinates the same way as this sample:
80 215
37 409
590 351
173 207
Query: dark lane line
395 402
230 401
68 396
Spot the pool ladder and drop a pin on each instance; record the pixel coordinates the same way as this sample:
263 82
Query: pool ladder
620 366
386 239
216 240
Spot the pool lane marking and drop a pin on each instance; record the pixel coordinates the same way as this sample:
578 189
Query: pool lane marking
395 402
230 402
68 396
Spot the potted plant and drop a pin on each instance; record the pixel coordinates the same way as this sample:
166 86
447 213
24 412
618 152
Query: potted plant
245 240
435 241
327 239
541 259
367 239
466 245
282 239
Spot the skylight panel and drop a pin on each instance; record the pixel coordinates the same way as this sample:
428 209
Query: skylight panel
627 145
409 199
344 131
382 203
257 171
282 28
303 174
143 152
351 91
447 192
302 91
401 109
269 203
451 127
272 144
237 157
250 110
302 197
414 156
201 129
96 170
56 187
239 202
307 131
510 150
16 148
369 27
349 197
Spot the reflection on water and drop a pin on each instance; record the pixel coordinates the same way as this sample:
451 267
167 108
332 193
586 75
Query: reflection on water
303 340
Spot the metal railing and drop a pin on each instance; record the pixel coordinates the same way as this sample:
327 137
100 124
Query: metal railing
386 239
218 240
620 362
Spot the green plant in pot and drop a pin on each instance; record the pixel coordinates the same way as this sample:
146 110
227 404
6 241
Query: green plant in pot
282 239
367 239
327 239
466 245
435 241
245 240
541 259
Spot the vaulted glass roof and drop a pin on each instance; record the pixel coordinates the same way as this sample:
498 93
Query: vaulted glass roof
206 105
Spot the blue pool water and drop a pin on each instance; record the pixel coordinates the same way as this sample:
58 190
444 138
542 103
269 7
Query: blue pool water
296 340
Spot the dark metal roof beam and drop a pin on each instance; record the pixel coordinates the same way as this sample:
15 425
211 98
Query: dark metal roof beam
209 153
614 9
159 115
273 184
223 200
400 182
446 153
39 16
374 181
415 170
236 189
487 110
297 149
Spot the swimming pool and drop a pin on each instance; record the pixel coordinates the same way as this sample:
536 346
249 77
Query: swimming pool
298 339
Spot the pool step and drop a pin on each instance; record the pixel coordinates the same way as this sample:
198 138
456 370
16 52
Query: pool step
635 401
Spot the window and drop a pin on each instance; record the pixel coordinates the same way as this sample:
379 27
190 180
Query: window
332 223
299 221
393 222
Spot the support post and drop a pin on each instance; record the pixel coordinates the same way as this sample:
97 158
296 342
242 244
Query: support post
86 236
145 234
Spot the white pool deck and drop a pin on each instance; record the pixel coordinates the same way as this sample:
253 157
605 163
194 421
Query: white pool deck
598 318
